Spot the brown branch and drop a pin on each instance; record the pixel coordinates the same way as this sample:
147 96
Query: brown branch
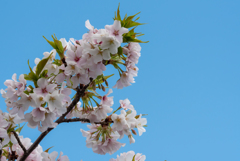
19 141
1 149
105 122
64 62
75 120
79 94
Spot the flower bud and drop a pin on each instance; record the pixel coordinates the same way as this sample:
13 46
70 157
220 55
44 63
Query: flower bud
133 131
77 42
106 82
103 88
94 85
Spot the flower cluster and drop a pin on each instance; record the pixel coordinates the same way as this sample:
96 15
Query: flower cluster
130 156
133 53
103 138
11 147
80 68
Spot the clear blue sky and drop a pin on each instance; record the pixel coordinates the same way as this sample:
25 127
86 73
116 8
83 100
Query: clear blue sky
188 83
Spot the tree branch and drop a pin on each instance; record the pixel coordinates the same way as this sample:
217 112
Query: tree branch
75 120
0 149
79 94
105 122
19 141
64 62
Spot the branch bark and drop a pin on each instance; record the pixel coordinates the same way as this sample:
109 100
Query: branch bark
19 141
79 94
1 149
105 122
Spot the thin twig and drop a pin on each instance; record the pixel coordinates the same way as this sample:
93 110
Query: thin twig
19 141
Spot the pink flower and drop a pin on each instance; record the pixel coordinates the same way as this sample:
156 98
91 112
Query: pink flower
119 121
125 104
129 157
108 101
116 30
125 80
44 88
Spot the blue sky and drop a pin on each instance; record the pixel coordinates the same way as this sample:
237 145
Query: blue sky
188 81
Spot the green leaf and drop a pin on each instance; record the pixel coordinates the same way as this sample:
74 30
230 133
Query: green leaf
57 62
131 39
106 77
120 51
50 42
31 87
99 80
56 44
117 16
129 19
27 77
42 64
31 76
128 22
43 74
132 24
20 129
48 149
43 105
31 71
26 92
11 128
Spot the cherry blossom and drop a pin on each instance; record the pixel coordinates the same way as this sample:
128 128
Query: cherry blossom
125 104
44 88
116 30
80 70
129 157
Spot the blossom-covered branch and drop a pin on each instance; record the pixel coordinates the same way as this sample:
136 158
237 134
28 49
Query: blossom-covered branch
79 68
79 94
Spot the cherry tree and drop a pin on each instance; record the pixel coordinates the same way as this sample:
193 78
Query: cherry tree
74 68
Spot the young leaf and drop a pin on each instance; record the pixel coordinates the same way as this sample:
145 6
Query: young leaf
31 76
20 129
42 64
57 62
56 44
120 51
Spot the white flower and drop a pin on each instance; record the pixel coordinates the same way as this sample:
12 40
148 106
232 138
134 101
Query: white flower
44 88
119 121
27 100
39 99
125 80
52 68
140 123
55 102
129 157
116 30
125 104
101 111
110 43
108 101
